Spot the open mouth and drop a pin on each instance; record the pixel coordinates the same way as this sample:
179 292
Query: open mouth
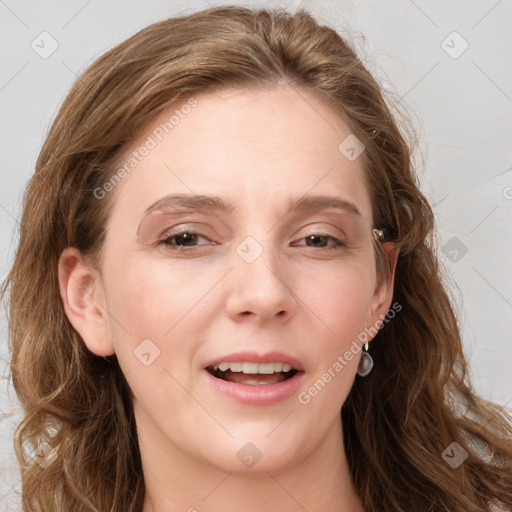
254 374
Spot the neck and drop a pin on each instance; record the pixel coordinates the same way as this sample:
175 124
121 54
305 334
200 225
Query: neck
176 482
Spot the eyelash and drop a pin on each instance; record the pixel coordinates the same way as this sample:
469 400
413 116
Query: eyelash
170 236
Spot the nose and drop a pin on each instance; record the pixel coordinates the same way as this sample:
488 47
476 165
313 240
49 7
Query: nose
261 290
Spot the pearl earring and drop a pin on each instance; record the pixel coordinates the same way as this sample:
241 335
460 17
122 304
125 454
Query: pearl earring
365 363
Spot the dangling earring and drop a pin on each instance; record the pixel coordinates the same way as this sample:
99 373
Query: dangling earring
365 363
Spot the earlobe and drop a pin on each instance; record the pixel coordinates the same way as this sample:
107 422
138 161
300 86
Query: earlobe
81 290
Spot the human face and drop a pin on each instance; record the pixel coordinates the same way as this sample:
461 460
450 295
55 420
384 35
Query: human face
248 282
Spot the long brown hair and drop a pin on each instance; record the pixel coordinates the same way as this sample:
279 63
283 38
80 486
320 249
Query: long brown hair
397 423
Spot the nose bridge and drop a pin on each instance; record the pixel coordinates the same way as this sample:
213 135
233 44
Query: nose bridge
260 280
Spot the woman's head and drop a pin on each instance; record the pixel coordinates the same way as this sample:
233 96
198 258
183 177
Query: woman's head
278 267
267 112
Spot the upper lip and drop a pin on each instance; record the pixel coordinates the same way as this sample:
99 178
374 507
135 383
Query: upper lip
254 357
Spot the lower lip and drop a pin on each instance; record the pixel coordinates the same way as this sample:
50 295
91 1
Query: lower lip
263 394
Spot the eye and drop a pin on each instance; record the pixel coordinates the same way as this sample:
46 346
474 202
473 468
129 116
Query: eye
320 241
187 238
183 238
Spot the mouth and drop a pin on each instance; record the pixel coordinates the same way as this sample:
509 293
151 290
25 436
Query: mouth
255 379
252 374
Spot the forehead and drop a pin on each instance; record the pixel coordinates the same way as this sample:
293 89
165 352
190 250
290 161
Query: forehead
257 148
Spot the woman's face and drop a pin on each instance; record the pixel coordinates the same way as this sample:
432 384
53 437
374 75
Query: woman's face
242 235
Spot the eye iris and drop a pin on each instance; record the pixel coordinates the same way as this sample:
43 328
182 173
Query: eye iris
322 239
185 238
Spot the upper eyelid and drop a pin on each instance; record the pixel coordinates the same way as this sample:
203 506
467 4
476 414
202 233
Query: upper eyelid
172 232
186 228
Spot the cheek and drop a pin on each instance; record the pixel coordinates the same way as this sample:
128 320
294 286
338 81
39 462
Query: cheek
151 306
151 301
340 297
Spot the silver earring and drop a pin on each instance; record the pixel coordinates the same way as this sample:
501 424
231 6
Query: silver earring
365 363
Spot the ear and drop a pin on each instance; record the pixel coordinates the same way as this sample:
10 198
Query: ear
81 289
383 294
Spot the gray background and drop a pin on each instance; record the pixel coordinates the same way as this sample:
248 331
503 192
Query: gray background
460 101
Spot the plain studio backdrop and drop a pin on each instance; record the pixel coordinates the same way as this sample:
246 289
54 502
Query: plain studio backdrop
446 62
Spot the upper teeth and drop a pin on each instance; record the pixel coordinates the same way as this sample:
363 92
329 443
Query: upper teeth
267 368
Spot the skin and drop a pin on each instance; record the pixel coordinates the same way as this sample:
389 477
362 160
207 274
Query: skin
259 149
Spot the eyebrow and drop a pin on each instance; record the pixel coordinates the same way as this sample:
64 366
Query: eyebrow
305 204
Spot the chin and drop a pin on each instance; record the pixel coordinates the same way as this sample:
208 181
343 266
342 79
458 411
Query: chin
255 454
